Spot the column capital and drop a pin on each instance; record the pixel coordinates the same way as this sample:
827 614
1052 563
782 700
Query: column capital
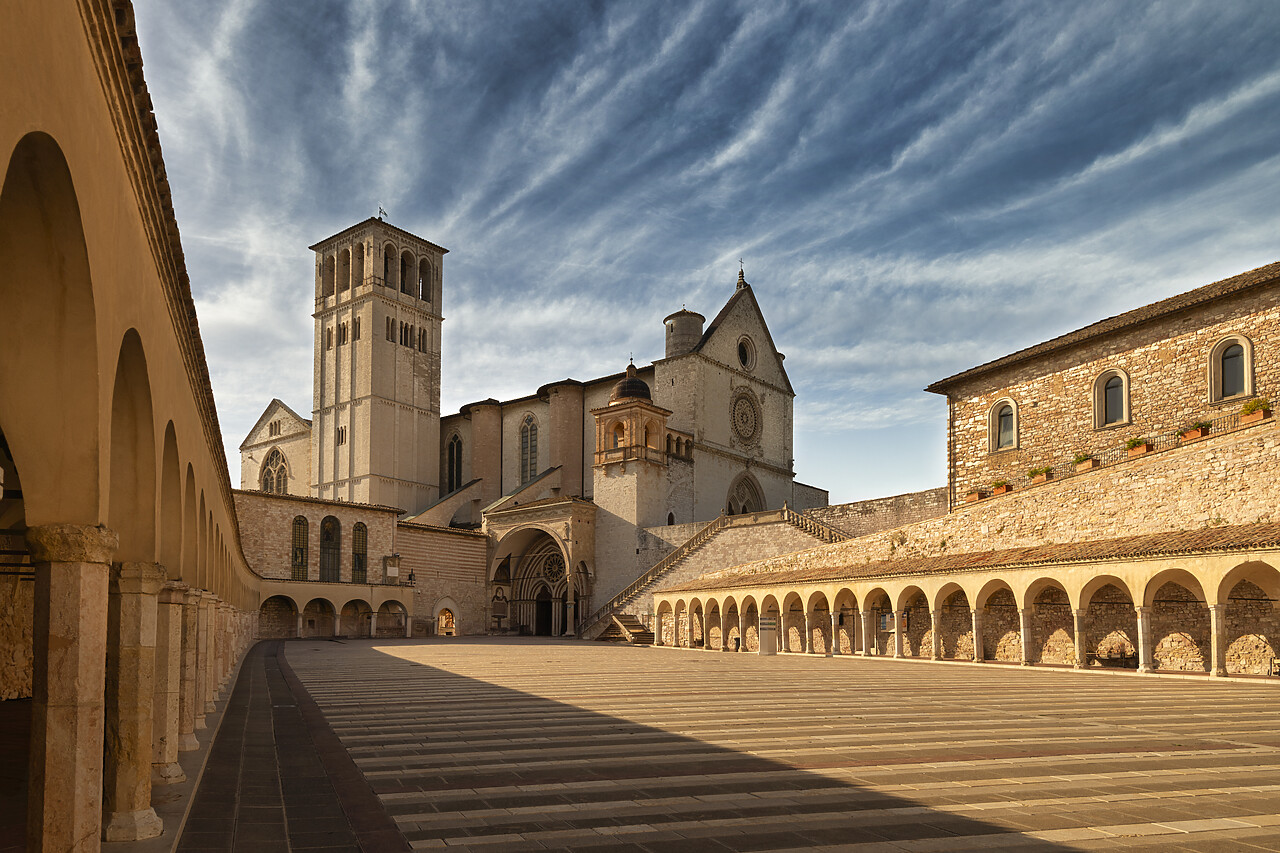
174 592
72 543
137 578
1142 612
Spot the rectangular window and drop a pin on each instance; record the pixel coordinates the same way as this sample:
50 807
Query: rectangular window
340 437
355 329
328 338
391 329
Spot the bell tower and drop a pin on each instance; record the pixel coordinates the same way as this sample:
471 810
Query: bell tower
375 436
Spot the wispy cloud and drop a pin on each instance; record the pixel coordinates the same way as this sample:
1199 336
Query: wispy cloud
915 187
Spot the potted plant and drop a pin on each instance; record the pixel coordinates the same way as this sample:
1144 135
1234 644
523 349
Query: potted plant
1039 475
1000 487
1195 431
1257 409
1085 462
1138 446
975 495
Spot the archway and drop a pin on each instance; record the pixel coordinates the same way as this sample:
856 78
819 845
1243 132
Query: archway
955 623
446 622
278 618
744 496
1051 624
356 620
819 631
846 639
880 609
530 559
1251 633
391 620
1001 623
318 619
1180 630
543 612
1110 635
917 623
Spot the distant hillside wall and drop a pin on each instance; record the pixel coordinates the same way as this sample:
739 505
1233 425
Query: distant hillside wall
1230 479
729 547
864 517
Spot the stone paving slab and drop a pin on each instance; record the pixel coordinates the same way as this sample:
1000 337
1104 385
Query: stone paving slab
494 744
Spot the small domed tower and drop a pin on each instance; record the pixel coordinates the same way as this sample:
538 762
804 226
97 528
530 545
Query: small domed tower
684 330
630 457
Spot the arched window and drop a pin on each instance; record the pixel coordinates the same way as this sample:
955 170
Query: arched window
1002 426
275 474
619 435
528 449
344 270
671 518
326 276
330 547
424 279
359 553
406 272
453 464
1231 369
357 266
298 558
1111 399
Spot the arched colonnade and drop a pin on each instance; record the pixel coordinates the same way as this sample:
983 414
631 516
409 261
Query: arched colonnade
286 614
1211 614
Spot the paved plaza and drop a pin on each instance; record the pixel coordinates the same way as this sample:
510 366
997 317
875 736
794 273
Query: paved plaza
528 745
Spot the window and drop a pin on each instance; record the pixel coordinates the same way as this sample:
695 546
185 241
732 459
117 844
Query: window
1002 426
453 464
619 436
328 338
671 519
298 559
340 436
355 329
388 265
528 449
330 546
746 353
359 553
344 270
1111 399
342 334
406 265
326 276
1231 369
273 429
275 474
391 329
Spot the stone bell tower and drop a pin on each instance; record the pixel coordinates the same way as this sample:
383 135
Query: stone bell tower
375 435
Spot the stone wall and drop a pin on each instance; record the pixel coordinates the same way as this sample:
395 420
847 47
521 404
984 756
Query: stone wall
1001 628
16 611
863 517
1111 625
1180 630
1251 620
1053 628
1228 479
449 568
277 620
1167 362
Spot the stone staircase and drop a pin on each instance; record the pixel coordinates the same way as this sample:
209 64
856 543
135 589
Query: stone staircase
626 628
724 542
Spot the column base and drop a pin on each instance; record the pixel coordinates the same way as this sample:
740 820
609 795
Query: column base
210 707
131 826
1025 663
1145 668
935 657
167 774
187 742
200 726
1218 672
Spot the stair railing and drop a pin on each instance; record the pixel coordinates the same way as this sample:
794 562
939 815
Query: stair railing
817 529
661 567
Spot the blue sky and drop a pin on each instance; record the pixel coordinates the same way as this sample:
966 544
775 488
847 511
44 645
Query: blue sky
914 187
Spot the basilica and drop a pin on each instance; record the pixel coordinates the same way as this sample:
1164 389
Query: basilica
574 490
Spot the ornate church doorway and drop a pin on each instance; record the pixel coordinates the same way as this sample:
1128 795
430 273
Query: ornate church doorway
542 615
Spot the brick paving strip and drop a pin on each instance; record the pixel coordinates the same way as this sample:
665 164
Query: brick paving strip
493 745
278 779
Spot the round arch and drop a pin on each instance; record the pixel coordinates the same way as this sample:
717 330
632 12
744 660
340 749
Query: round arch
278 618
319 618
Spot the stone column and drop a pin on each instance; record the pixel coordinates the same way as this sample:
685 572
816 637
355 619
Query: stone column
742 629
806 636
1082 646
187 710
657 628
897 634
976 613
408 624
935 620
569 617
166 715
130 693
1024 634
298 632
1218 639
1144 639
64 773
784 632
832 648
868 625
203 691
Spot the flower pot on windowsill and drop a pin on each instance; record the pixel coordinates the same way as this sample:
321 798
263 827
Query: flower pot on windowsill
1087 464
1255 416
1041 478
975 495
1140 449
1001 489
1195 433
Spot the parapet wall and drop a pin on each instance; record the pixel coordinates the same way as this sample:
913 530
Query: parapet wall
864 517
1228 479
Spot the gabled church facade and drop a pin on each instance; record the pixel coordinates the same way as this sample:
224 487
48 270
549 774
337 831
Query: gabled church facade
578 487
